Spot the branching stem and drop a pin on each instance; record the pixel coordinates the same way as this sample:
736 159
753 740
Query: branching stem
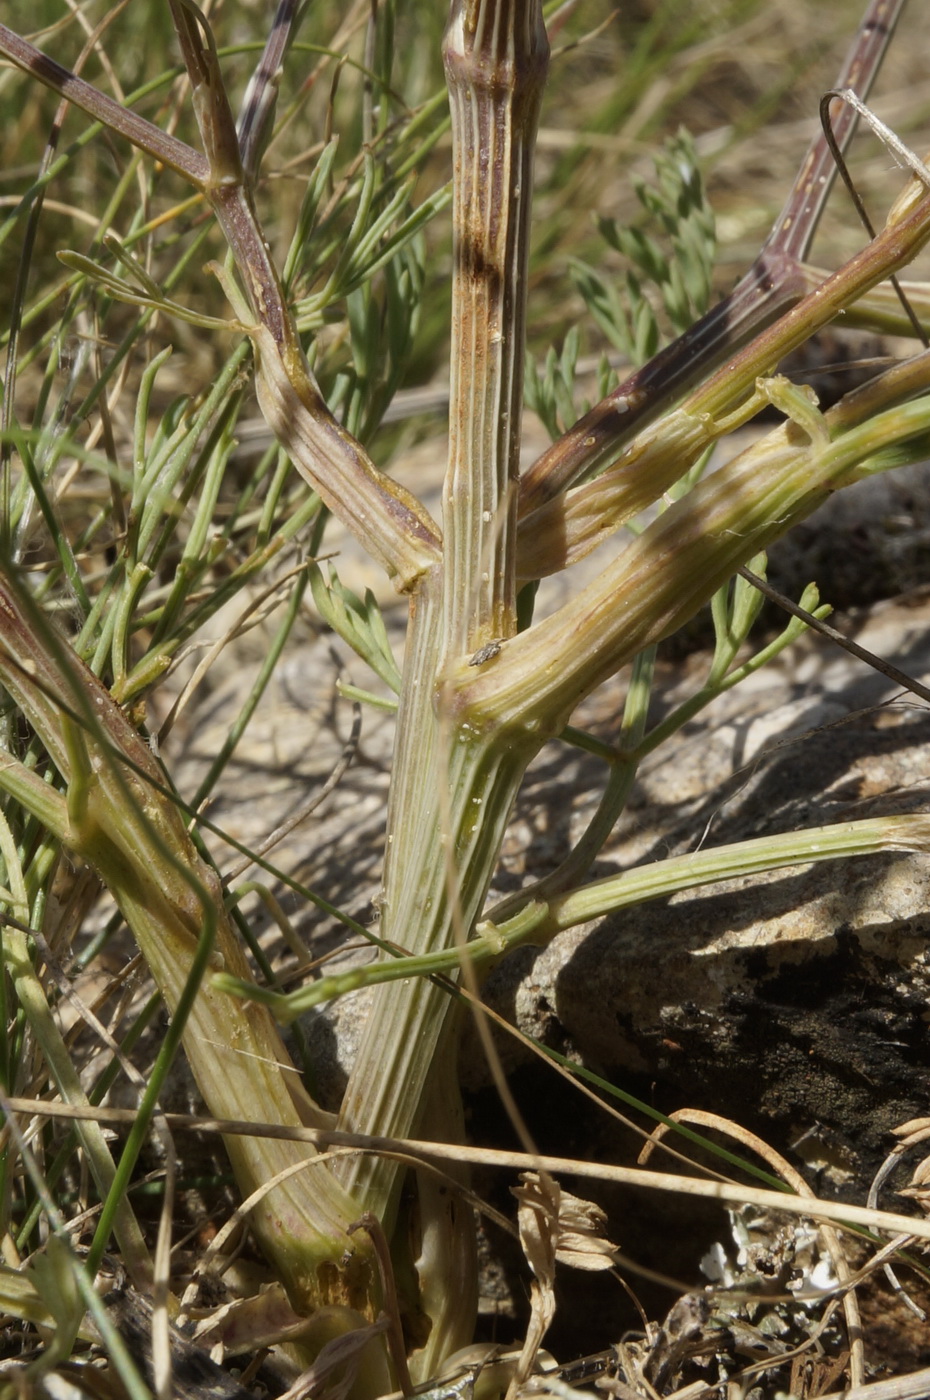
776 281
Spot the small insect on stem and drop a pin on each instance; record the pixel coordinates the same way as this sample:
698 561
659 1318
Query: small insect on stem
485 653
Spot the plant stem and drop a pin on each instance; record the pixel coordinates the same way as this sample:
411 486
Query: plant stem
775 282
117 820
453 789
496 59
167 149
679 561
393 527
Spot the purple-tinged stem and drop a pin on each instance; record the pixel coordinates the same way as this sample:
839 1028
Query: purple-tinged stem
776 281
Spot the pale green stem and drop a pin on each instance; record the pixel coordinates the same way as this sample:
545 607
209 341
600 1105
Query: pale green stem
391 525
389 522
450 802
893 248
881 834
427 828
776 280
880 310
539 920
570 527
453 788
168 149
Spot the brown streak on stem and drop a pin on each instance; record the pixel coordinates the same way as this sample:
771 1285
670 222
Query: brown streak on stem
496 59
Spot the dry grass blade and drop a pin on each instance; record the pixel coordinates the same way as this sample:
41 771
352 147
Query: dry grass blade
415 1149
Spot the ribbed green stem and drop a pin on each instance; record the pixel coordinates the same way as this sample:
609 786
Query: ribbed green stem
450 802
